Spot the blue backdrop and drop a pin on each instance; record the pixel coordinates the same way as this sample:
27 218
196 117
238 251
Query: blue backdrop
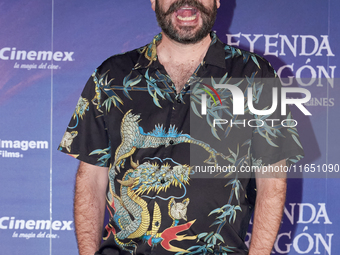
48 49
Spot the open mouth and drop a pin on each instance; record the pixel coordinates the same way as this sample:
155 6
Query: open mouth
186 14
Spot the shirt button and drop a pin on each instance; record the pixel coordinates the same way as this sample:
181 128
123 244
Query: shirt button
171 142
179 101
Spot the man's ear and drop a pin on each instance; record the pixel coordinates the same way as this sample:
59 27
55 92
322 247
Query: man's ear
153 4
218 3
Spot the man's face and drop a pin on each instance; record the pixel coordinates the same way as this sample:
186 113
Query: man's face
186 21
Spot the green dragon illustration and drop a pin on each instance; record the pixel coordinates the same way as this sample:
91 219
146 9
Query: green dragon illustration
136 182
133 137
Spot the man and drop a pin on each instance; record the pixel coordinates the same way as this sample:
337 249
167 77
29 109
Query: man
138 134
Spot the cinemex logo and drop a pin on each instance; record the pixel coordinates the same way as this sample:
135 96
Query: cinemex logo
8 53
12 223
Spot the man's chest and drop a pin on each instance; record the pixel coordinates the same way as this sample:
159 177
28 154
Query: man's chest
180 73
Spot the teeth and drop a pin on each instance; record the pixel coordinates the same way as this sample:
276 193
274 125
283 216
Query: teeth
187 18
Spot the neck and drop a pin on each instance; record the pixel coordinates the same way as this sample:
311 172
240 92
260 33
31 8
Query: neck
171 51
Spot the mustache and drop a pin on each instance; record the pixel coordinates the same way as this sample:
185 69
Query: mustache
192 3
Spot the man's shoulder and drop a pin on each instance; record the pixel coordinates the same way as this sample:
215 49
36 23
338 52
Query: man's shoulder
245 58
122 61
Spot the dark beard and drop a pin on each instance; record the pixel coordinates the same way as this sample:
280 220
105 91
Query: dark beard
164 21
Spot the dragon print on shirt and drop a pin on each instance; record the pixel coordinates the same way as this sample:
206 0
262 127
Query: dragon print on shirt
133 137
146 177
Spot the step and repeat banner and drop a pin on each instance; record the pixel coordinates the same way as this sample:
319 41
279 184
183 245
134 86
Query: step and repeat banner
48 50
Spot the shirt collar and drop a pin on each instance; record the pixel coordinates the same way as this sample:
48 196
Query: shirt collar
215 55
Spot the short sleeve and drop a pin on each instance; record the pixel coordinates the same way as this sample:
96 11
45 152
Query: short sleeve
86 137
275 136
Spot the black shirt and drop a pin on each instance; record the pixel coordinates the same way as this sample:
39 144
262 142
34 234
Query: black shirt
177 181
